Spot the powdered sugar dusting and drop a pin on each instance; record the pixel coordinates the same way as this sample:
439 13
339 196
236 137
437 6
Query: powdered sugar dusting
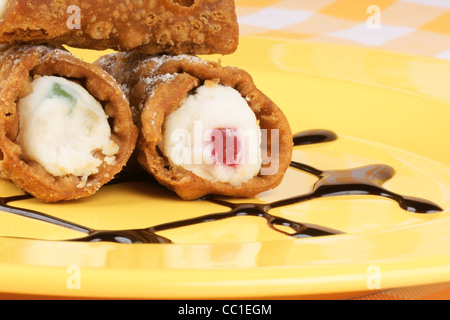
163 78
161 59
124 88
154 82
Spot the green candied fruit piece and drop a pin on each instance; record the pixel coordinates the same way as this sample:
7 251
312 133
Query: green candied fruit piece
62 92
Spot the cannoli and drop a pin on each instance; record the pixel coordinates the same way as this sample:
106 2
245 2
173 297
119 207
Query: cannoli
65 126
150 26
204 128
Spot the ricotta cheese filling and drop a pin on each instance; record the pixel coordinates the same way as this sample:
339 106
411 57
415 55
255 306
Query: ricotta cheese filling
64 128
215 135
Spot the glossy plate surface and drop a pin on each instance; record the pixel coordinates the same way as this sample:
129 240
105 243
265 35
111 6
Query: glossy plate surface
385 108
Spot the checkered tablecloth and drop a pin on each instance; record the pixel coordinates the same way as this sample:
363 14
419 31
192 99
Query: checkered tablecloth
419 27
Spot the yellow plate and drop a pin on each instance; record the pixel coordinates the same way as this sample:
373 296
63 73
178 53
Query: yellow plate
385 108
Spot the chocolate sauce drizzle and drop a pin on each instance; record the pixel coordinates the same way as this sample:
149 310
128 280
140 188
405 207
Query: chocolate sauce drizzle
366 180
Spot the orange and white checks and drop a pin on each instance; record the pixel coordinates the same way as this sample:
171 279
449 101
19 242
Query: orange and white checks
419 27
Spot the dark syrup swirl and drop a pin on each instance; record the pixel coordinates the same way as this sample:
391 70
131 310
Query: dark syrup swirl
366 180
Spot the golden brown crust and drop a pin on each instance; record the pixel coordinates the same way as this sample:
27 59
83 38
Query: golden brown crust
19 65
150 26
157 85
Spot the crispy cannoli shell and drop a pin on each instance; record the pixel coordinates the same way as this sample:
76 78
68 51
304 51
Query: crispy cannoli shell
150 26
156 87
18 66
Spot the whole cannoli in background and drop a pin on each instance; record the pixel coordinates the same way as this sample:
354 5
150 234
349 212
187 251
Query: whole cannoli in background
65 126
204 128
150 26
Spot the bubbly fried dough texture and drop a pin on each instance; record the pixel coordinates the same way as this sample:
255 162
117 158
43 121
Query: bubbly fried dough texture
150 26
156 86
19 65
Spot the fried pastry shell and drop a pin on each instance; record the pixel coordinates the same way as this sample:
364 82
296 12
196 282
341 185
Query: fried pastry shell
19 64
150 26
156 85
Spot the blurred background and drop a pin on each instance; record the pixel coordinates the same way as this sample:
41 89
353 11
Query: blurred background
420 27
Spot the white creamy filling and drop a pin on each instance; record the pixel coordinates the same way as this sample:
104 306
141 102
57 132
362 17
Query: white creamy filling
188 130
62 127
